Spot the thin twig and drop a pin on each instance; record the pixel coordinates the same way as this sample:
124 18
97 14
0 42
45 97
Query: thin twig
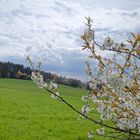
129 135
116 50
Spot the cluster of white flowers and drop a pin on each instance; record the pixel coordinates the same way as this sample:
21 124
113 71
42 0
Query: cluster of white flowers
92 83
53 88
119 104
38 79
100 131
85 98
85 109
109 43
90 135
115 87
116 97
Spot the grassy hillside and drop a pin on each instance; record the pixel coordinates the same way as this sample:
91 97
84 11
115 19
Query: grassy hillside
29 113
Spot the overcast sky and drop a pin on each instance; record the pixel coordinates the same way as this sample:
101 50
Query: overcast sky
49 30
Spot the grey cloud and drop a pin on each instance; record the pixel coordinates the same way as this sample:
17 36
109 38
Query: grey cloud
14 58
73 62
48 30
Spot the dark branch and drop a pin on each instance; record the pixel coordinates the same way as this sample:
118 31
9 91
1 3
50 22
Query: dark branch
87 117
117 50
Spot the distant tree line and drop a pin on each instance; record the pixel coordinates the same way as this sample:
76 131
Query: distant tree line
10 70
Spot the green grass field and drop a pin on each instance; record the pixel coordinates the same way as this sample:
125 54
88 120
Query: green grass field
29 113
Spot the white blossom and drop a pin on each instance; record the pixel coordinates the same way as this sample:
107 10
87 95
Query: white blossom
45 85
55 95
85 109
85 98
90 135
116 46
92 85
108 42
121 45
100 131
53 86
38 79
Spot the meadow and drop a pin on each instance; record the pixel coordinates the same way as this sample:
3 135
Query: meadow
29 113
